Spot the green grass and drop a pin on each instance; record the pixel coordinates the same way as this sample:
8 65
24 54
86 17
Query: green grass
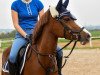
95 33
7 39
5 45
60 40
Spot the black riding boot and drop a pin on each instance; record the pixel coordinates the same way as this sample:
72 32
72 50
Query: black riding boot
59 57
59 64
13 68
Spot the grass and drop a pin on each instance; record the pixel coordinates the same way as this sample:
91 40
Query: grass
62 42
95 33
6 39
5 45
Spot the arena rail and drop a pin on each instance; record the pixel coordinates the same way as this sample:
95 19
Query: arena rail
92 39
12 40
4 42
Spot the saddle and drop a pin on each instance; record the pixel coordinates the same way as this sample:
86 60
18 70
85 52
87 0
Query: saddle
21 58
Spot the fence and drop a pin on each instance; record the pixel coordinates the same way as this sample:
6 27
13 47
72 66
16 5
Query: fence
4 42
12 40
92 39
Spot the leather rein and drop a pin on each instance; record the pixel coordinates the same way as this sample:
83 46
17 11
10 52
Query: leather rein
73 33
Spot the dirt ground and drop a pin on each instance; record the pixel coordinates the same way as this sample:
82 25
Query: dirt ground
81 62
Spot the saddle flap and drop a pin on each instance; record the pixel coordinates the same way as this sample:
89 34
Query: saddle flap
20 59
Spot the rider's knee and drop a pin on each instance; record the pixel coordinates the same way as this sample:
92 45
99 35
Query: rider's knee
59 53
12 58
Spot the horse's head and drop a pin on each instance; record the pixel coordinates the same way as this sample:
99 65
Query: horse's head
65 25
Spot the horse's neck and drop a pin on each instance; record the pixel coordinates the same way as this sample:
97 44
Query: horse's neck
47 42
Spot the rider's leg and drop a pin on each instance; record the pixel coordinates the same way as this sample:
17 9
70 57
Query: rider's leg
59 60
17 44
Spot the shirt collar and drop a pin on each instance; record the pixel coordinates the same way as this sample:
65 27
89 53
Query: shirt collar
26 1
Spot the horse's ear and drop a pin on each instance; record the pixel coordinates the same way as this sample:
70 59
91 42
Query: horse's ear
59 5
65 4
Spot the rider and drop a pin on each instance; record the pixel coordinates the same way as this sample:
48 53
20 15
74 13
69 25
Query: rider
25 16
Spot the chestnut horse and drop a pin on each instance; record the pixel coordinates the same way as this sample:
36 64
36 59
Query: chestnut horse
54 24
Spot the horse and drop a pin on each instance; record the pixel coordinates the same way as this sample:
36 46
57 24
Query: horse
57 22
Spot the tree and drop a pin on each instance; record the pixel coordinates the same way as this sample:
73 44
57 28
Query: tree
8 35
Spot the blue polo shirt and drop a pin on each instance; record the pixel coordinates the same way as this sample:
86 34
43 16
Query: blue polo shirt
27 13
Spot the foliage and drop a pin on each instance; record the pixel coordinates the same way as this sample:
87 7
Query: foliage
7 35
95 33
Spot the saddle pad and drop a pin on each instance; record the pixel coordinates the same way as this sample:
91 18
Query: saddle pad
5 67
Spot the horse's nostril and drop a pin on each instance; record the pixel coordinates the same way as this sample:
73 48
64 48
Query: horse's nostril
88 36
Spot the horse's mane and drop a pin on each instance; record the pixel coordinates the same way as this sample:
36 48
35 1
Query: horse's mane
39 27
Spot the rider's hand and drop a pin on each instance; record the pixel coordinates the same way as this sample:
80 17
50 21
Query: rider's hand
28 38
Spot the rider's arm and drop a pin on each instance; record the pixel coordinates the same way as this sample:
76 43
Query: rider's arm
16 24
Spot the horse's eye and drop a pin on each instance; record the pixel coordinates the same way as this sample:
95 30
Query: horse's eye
66 19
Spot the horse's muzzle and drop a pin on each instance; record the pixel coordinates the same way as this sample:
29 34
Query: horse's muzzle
84 40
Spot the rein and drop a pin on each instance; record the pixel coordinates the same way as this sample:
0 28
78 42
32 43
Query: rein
66 57
74 33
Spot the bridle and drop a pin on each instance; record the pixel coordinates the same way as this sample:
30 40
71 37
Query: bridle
52 56
72 32
66 28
